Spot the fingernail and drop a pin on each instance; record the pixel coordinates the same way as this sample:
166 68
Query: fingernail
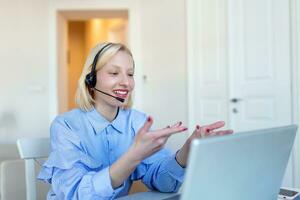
197 127
185 129
180 123
207 130
149 119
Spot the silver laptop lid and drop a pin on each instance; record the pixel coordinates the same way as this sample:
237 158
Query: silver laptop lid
241 166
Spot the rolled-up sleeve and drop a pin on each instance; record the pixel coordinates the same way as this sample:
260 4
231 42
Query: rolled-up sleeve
105 189
161 172
72 173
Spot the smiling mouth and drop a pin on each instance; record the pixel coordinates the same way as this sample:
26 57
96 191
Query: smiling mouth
121 93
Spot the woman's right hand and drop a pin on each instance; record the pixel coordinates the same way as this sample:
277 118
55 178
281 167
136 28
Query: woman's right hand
145 144
148 142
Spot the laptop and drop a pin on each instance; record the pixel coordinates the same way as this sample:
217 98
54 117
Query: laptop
241 166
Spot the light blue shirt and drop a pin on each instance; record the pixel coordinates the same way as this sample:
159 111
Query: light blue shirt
85 144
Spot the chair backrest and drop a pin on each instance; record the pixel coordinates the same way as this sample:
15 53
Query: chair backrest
31 149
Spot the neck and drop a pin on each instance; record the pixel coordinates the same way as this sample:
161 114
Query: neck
108 112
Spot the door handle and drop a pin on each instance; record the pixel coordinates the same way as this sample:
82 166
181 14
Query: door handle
235 100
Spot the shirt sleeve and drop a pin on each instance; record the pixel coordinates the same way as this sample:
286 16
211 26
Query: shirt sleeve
71 172
160 172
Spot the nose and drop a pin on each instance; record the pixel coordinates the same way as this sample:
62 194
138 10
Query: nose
124 80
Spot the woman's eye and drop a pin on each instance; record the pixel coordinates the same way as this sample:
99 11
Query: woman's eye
114 73
130 75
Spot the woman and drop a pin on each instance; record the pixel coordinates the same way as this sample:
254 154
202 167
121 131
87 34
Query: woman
104 145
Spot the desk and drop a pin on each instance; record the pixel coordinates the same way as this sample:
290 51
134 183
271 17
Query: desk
151 195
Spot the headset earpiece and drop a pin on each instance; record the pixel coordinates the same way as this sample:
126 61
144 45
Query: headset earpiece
91 78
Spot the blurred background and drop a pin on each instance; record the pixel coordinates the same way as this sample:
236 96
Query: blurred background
197 61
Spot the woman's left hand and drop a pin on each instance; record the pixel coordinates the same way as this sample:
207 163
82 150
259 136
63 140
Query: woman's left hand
200 132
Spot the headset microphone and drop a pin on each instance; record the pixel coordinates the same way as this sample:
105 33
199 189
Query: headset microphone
118 98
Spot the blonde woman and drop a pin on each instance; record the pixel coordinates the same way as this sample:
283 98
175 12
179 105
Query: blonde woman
104 145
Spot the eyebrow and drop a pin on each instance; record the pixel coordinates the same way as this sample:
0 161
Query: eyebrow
116 66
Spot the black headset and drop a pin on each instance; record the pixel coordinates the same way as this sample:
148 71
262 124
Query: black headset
91 78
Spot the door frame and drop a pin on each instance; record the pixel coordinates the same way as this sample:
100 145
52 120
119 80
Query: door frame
58 43
295 72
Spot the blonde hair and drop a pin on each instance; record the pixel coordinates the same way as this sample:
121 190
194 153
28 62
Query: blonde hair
84 97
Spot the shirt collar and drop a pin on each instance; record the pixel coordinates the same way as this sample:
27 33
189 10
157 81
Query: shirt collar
99 123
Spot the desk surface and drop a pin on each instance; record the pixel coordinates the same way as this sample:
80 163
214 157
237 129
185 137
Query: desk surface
147 196
151 195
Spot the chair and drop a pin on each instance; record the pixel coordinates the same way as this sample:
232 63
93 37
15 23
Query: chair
31 149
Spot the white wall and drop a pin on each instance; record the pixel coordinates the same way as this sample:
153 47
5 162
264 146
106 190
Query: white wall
163 62
23 69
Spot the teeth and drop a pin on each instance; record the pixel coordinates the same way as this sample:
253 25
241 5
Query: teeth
120 92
